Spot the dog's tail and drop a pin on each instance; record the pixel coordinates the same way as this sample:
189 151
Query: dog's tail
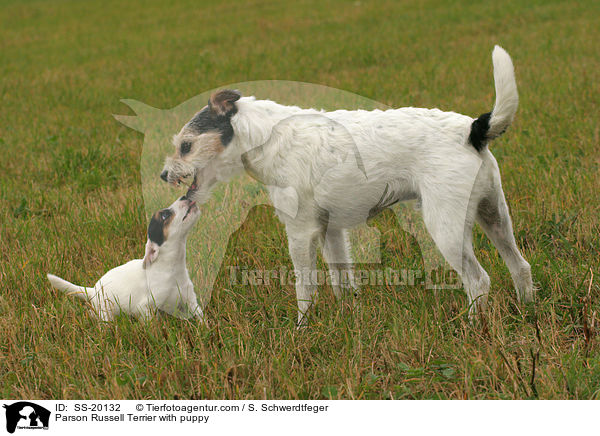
71 289
493 124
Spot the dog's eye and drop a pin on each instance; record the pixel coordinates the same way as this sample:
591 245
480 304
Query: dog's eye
185 147
164 215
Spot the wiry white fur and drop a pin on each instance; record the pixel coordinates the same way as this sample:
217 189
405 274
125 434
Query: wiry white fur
507 98
340 166
141 286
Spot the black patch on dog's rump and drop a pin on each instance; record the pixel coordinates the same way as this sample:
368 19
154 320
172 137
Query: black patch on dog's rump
208 121
479 129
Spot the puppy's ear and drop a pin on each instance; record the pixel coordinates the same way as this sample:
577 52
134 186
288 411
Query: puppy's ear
151 253
222 102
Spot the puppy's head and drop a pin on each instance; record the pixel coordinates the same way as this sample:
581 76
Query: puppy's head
203 138
169 227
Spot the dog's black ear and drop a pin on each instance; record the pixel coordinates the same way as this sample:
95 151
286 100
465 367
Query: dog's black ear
223 102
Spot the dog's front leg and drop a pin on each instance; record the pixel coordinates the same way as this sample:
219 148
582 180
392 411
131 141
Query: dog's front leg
193 307
303 254
336 251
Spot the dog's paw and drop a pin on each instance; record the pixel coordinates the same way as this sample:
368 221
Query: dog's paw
527 295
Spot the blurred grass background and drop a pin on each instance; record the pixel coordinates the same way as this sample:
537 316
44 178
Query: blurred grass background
71 200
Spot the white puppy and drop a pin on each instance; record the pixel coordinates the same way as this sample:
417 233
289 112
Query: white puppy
159 281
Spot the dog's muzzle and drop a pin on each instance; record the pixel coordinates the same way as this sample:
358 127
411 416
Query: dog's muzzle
191 205
164 175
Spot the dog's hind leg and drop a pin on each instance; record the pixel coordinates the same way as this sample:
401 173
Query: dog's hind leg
302 246
145 312
336 251
494 218
450 224
103 314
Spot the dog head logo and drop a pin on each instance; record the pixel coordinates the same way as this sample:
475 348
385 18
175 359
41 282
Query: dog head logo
175 140
26 415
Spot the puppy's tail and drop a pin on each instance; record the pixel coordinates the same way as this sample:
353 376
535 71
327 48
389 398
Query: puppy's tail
493 124
71 289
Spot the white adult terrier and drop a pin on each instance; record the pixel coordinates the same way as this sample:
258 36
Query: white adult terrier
441 159
159 281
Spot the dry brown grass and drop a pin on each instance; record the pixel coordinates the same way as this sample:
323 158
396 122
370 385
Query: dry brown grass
71 202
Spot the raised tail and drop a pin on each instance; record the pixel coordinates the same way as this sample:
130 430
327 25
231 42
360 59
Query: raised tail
493 124
71 289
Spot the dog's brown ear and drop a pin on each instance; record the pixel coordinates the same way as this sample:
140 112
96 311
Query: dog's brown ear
222 102
151 253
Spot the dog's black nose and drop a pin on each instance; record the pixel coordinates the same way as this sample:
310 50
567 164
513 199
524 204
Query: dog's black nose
183 198
164 175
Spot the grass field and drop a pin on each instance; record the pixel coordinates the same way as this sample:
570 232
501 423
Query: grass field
71 201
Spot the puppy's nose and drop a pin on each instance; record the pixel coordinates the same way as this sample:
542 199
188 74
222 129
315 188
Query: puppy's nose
183 198
164 175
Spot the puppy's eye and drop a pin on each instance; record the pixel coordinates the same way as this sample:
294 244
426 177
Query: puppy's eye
185 147
164 215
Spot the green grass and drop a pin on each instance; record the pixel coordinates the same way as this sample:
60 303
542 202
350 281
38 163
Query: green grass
72 201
